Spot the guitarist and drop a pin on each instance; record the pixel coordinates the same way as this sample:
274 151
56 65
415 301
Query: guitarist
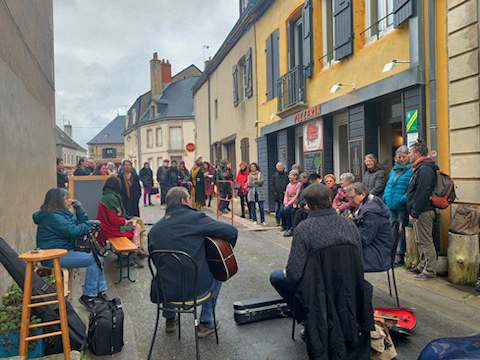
184 229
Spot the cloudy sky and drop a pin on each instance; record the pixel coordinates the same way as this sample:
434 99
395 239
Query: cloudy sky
103 48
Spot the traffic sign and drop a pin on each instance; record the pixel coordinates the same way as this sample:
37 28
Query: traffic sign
190 147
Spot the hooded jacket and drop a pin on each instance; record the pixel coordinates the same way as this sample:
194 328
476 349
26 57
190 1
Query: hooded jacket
146 176
373 220
421 186
375 181
395 194
111 214
59 229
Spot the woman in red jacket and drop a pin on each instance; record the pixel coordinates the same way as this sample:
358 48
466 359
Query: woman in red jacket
111 214
242 187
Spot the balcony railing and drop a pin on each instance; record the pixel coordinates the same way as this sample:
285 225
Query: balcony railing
291 89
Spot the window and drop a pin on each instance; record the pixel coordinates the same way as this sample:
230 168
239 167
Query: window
295 43
215 108
379 18
150 161
159 137
149 138
176 138
271 50
176 158
327 24
245 80
245 150
159 161
109 153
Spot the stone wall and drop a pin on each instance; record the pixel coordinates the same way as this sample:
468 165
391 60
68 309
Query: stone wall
27 109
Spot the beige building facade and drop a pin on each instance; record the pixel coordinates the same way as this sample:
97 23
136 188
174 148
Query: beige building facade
27 113
107 146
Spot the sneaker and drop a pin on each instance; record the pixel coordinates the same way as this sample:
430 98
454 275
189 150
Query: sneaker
242 216
254 222
277 224
288 233
103 296
413 270
424 276
171 325
205 329
87 301
399 260
151 204
264 223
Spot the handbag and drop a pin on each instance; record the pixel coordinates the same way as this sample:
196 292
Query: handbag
87 243
154 190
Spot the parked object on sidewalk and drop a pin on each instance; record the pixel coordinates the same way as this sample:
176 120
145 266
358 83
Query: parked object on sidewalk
399 320
381 343
452 348
466 221
411 255
221 259
463 259
258 309
105 329
442 264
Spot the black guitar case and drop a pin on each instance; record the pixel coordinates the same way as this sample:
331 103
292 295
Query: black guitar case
259 309
76 327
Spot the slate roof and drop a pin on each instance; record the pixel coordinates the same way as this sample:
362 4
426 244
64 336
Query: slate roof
176 101
63 139
112 133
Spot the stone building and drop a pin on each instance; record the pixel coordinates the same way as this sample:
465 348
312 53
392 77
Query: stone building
107 145
67 149
160 123
27 119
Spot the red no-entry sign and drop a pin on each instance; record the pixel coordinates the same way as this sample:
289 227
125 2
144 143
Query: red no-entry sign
190 147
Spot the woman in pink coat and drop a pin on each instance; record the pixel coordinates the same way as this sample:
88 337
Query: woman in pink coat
291 193
342 203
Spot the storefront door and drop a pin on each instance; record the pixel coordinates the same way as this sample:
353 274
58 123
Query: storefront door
390 138
340 144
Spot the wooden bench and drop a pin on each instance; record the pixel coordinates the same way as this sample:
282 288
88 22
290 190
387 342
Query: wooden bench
123 246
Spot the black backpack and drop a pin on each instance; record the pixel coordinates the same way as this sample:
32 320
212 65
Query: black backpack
105 329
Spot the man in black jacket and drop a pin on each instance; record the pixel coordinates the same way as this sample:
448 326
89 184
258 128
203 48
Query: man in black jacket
173 176
325 267
278 185
62 176
184 229
161 173
421 210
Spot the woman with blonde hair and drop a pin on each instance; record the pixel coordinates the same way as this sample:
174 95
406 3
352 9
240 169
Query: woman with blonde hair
375 176
341 203
331 181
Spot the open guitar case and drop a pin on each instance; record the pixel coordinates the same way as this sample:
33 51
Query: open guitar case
76 327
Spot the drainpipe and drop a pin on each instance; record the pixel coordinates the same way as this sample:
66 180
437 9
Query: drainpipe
209 122
432 91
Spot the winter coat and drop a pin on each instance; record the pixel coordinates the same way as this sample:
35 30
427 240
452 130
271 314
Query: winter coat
278 185
59 229
80 172
146 176
224 173
375 181
161 173
395 194
131 202
335 190
241 180
198 182
342 202
421 186
291 193
300 200
184 174
184 229
209 187
111 213
173 178
255 186
373 220
62 178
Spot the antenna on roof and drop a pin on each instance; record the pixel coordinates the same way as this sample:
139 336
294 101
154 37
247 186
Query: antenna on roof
205 48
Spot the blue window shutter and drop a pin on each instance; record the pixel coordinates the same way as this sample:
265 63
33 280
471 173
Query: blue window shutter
235 84
269 69
248 60
275 63
343 28
307 38
402 10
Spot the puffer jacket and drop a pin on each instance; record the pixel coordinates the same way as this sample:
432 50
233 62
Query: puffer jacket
375 181
395 195
255 186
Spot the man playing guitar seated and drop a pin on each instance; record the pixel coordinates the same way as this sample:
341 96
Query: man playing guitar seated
185 229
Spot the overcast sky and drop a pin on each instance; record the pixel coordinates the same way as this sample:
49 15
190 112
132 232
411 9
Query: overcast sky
103 48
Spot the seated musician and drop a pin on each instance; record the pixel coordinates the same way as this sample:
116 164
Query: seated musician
184 229
111 214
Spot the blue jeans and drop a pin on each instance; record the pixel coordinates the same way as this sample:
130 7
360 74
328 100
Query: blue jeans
278 211
402 215
94 279
287 291
206 316
287 217
253 210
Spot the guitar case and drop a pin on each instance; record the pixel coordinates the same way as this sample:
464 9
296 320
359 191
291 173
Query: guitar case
259 309
76 327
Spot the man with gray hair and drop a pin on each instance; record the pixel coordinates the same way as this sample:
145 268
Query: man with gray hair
278 184
373 221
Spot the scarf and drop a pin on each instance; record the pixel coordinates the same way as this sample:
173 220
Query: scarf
127 184
254 174
420 160
112 201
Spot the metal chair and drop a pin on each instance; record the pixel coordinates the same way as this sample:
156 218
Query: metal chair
185 306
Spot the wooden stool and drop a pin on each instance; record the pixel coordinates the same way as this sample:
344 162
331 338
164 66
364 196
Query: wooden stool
122 245
30 258
68 278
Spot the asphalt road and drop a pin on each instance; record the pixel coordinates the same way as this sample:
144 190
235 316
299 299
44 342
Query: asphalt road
258 253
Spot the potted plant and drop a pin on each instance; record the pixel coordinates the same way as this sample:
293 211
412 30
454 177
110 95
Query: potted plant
10 322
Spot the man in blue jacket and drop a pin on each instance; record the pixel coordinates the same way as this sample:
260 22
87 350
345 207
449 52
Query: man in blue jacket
185 229
373 221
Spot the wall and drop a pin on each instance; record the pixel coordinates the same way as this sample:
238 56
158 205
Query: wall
27 109
131 146
96 151
239 120
67 154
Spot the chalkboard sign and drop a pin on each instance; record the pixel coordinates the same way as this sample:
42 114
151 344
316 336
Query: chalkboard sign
87 190
313 162
355 158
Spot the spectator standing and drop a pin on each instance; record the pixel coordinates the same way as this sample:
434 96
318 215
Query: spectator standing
395 195
161 173
373 221
331 182
242 188
100 170
173 177
375 177
131 190
296 167
146 177
291 193
208 174
256 193
421 210
299 204
90 166
278 185
341 203
62 177
111 168
183 171
81 169
223 173
198 181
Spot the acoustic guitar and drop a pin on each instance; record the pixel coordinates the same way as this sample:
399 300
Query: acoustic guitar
221 259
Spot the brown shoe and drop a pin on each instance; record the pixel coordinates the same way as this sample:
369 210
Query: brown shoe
171 325
141 252
205 329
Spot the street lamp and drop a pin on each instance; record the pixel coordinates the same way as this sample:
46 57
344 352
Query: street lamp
338 86
390 65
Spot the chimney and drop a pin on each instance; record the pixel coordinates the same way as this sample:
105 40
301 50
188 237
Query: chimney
156 87
67 129
166 72
207 62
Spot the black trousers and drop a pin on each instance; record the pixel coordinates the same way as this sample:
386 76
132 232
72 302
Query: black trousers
243 202
298 215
